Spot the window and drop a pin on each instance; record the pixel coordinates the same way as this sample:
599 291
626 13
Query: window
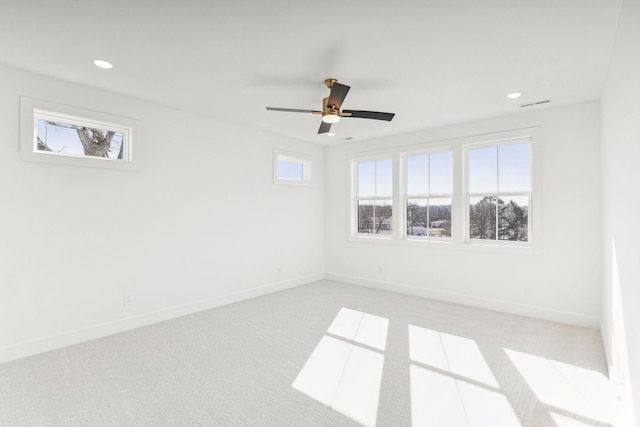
291 168
475 193
59 134
374 196
56 133
429 191
499 191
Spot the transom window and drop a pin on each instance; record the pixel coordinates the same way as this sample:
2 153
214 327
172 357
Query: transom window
291 168
374 196
499 191
75 136
428 194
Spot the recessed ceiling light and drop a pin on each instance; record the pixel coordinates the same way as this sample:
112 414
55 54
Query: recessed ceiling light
101 63
514 95
331 134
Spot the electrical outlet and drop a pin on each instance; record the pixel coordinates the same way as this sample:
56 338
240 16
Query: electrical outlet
279 270
127 300
380 269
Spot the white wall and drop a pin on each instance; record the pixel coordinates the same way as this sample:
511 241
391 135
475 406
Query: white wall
200 225
561 282
621 202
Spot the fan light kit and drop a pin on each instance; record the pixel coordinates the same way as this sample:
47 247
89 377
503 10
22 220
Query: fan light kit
331 118
331 108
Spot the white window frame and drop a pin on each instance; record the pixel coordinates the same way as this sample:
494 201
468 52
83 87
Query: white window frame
532 137
291 157
32 110
354 198
405 196
459 205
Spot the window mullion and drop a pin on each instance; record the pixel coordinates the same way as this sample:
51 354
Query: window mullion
497 217
428 224
375 178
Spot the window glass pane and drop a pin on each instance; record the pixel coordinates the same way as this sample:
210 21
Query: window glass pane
78 140
290 170
418 174
483 170
366 219
417 217
514 167
367 179
439 217
374 216
482 218
384 179
513 218
441 173
383 219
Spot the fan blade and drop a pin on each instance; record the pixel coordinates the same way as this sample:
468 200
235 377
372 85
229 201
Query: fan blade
337 95
377 115
324 127
294 110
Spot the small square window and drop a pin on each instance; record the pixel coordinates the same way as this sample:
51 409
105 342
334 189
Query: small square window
291 168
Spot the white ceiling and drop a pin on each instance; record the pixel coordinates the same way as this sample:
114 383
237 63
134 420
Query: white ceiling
432 62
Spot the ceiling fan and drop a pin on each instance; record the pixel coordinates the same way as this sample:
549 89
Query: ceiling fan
331 108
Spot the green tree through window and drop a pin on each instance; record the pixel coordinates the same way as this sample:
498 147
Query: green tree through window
499 191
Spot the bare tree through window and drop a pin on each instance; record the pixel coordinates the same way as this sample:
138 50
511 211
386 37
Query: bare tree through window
78 140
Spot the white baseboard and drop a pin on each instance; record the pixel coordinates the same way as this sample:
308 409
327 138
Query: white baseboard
67 338
497 305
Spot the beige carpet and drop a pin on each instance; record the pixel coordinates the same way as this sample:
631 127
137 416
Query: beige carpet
325 354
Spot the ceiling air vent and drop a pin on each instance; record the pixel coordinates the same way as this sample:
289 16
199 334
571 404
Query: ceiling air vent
531 104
